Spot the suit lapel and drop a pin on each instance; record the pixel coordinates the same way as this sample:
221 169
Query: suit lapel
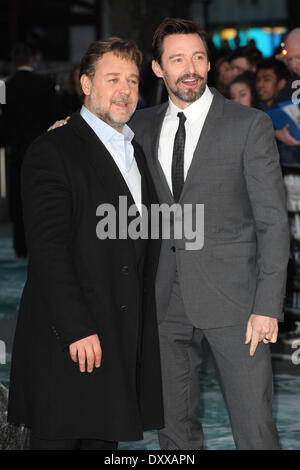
144 172
160 176
157 125
103 163
204 145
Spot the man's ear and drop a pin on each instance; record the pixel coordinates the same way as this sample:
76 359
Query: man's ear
86 84
208 68
281 84
157 69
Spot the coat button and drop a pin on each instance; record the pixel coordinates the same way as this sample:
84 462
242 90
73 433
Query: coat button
125 269
124 308
54 331
173 248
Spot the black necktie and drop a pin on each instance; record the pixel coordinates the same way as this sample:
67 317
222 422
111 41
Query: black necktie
178 158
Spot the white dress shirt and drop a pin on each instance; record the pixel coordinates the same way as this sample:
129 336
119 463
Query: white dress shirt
195 117
121 149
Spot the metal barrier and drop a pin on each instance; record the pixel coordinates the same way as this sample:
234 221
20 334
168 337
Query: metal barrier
3 187
3 191
291 175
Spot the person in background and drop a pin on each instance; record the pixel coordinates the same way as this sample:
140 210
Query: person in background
242 90
71 99
31 105
243 59
252 44
223 75
290 148
237 41
225 48
271 77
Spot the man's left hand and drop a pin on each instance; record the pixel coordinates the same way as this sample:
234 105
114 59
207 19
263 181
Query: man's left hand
261 328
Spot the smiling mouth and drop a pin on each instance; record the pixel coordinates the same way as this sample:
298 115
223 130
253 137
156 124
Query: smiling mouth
121 104
190 82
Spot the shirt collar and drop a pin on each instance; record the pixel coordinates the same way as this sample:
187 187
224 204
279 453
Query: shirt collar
194 110
104 131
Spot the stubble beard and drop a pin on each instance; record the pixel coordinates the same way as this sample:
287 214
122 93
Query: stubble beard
105 114
190 95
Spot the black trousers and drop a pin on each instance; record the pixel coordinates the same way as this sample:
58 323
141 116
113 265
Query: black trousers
71 444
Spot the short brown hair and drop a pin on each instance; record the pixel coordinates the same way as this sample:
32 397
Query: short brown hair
171 26
126 49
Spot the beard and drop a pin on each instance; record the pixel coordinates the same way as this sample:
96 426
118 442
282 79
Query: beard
188 96
106 115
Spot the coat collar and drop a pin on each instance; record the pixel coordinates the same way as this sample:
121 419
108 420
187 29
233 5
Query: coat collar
100 158
104 165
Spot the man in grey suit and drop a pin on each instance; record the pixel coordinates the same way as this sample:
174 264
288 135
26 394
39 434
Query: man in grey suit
204 149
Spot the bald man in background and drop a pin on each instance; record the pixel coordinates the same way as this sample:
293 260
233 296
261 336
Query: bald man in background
291 147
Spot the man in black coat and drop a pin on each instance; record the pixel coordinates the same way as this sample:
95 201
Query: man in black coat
31 105
89 299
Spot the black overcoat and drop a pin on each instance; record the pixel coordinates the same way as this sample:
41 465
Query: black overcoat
79 285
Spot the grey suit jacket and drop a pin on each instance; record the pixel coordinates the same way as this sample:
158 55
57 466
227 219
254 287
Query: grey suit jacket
235 173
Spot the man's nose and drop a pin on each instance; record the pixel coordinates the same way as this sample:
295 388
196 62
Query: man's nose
124 87
191 66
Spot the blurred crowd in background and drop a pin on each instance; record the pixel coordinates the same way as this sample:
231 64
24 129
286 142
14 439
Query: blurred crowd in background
37 95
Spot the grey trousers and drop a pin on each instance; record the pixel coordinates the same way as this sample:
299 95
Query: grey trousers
246 383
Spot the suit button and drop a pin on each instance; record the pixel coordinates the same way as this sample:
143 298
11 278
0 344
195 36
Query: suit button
124 308
125 269
173 248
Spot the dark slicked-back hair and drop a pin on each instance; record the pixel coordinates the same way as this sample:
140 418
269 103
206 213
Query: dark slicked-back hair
171 26
252 54
126 49
249 79
279 68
